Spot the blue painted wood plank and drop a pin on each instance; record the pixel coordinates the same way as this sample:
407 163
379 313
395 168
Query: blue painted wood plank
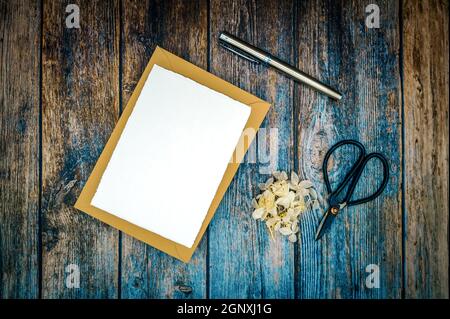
180 27
19 149
80 105
244 261
335 45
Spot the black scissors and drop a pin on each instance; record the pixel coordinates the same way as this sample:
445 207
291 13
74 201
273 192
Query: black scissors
351 179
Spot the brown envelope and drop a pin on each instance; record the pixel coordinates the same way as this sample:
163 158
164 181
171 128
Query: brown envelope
171 62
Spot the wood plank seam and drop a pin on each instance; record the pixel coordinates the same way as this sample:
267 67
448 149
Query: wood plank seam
295 110
40 254
402 101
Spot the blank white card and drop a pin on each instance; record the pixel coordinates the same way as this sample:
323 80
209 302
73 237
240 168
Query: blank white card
171 156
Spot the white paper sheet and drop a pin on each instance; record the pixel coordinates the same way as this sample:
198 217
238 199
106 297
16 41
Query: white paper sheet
171 156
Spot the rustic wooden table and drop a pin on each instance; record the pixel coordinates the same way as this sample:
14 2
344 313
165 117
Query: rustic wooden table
62 90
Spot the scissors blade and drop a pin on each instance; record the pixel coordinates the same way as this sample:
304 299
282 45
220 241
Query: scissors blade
325 223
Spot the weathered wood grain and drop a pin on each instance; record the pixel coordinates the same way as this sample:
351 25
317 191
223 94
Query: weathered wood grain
82 87
80 105
181 28
426 103
244 261
19 148
334 45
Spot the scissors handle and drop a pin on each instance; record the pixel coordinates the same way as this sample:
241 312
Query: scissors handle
358 173
362 153
353 175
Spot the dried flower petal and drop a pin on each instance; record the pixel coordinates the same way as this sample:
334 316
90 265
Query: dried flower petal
276 174
294 178
277 225
280 188
294 186
286 231
286 201
257 213
306 184
313 193
294 227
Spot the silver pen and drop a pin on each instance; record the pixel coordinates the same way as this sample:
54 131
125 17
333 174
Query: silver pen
254 54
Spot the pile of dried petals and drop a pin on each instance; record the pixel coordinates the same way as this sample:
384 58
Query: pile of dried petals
282 201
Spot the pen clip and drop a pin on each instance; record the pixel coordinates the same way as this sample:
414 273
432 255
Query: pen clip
238 52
